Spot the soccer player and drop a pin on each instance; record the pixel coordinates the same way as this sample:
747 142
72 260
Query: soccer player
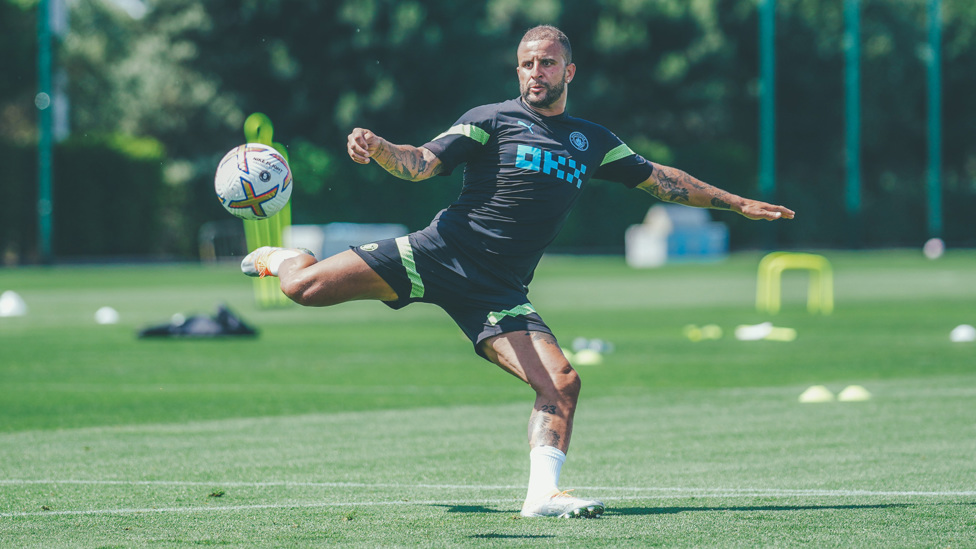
527 162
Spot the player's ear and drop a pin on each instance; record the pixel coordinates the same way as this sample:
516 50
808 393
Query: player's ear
570 72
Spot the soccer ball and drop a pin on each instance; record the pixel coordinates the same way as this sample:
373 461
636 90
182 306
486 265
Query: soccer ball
253 181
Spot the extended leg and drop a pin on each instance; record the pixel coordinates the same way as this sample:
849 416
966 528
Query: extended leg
336 279
535 357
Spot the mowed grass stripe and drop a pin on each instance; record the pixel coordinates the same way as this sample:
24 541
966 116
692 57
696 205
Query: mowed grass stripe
664 491
720 443
259 507
507 505
363 427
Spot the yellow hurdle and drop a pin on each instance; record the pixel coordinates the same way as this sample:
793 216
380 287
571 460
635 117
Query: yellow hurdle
266 232
820 297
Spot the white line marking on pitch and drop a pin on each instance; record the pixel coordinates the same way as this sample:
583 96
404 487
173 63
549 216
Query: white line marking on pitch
715 492
262 484
639 493
245 507
444 503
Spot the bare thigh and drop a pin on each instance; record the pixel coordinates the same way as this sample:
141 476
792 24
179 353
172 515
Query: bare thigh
533 357
336 279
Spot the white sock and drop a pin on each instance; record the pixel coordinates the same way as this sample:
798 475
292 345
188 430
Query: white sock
545 465
277 257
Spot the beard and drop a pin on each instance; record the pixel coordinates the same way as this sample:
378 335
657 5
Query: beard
552 94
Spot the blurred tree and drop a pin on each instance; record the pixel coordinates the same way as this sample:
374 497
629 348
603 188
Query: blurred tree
18 64
959 120
676 79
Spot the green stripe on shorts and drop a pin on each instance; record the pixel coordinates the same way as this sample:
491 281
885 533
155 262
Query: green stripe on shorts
495 318
406 257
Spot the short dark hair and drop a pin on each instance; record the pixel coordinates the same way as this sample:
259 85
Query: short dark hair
549 32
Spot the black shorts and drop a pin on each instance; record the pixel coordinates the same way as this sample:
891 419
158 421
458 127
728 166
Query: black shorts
421 267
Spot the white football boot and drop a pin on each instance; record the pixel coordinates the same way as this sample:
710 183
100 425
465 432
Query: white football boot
258 263
563 505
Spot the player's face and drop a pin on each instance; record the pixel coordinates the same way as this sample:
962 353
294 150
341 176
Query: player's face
543 75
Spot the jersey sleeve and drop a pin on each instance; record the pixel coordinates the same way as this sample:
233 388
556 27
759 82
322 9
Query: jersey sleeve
623 165
464 139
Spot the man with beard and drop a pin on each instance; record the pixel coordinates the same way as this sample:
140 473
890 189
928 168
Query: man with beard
527 162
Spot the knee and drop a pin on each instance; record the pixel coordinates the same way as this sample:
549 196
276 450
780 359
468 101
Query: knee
566 384
572 384
293 292
307 293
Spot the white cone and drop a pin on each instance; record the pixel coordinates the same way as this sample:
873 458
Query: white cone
962 333
817 393
107 315
754 332
11 304
854 393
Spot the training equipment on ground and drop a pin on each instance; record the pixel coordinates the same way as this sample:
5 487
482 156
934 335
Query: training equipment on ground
697 333
106 315
253 181
222 324
963 333
11 304
820 298
817 394
587 357
854 393
563 505
765 331
266 232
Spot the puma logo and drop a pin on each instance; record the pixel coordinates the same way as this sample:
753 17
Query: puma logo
527 126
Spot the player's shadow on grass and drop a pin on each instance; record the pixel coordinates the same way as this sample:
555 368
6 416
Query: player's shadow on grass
676 510
491 535
509 536
469 509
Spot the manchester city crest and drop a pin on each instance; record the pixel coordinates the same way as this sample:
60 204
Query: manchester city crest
579 141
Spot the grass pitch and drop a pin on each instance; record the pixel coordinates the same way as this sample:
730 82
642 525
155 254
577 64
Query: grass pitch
361 426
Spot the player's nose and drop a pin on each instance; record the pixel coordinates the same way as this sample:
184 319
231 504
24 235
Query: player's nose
536 72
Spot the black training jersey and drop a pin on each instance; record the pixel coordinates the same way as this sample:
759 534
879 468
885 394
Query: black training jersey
523 174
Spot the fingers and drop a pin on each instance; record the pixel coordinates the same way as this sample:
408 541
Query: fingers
357 145
780 212
769 212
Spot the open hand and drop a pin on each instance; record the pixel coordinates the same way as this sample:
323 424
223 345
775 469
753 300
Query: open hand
754 209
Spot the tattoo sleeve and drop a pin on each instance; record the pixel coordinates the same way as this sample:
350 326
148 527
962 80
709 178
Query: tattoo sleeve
540 432
673 185
407 162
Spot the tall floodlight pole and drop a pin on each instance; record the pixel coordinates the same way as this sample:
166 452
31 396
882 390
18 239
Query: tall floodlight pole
767 100
934 60
44 146
852 131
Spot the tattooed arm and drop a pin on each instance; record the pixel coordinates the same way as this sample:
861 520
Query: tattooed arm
403 161
673 185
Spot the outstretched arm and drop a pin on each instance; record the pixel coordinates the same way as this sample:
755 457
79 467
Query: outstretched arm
673 185
403 161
